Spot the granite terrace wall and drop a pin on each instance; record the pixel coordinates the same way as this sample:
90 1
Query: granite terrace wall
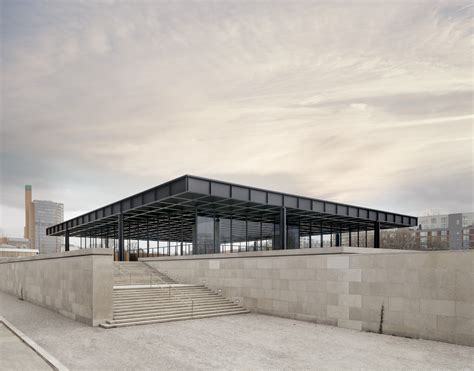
77 284
426 295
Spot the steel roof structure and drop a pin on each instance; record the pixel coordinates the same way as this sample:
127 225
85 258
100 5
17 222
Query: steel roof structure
168 212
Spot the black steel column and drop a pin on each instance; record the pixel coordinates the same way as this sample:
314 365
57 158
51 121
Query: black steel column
138 240
376 235
195 233
66 241
283 237
216 235
340 235
129 247
169 234
147 238
330 230
366 243
247 234
322 235
231 240
158 235
121 247
182 236
358 237
310 232
338 239
350 237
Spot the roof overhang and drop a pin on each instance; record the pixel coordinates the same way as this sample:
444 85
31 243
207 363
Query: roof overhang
174 204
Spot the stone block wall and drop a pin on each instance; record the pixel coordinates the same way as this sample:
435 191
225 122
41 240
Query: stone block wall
77 284
426 295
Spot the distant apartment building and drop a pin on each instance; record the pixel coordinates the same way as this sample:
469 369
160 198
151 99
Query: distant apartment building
451 231
38 216
434 232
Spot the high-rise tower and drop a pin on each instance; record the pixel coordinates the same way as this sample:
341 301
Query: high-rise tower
38 216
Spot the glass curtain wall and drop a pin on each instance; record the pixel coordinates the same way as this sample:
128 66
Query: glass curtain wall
204 236
293 234
228 235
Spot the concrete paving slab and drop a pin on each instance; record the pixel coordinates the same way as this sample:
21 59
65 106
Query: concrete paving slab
19 352
244 342
164 285
16 355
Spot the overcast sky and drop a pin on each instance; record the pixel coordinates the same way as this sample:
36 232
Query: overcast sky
364 102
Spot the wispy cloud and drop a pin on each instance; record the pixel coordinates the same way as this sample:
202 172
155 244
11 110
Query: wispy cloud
355 101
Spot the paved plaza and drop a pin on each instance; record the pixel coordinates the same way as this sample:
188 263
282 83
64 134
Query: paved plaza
16 354
248 341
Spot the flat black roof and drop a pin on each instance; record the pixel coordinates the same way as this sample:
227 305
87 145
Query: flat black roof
169 209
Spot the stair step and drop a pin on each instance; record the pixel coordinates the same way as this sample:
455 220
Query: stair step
164 304
175 311
156 306
155 289
138 273
158 288
167 295
175 285
171 316
165 298
113 325
175 304
159 291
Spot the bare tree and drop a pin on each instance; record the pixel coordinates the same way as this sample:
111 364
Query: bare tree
403 239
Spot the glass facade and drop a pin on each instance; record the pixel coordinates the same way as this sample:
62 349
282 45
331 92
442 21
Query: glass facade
205 231
230 235
203 234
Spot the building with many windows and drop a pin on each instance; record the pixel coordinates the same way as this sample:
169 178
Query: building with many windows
450 231
40 215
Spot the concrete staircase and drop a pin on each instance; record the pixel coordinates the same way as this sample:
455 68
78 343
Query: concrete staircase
138 273
143 295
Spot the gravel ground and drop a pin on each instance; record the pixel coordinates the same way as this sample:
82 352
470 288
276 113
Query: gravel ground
245 342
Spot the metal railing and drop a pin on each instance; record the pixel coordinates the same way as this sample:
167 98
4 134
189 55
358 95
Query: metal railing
181 300
153 278
157 279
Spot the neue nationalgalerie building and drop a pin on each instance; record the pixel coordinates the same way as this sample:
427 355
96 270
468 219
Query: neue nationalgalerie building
194 215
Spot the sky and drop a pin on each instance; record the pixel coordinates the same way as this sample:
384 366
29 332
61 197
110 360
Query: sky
363 102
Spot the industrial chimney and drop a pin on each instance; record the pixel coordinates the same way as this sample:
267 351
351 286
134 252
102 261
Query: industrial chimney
28 216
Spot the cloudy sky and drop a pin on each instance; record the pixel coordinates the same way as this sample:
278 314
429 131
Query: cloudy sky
365 102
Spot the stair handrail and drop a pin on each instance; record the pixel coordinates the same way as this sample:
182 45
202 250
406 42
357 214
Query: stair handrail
190 302
160 279
186 296
157 272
